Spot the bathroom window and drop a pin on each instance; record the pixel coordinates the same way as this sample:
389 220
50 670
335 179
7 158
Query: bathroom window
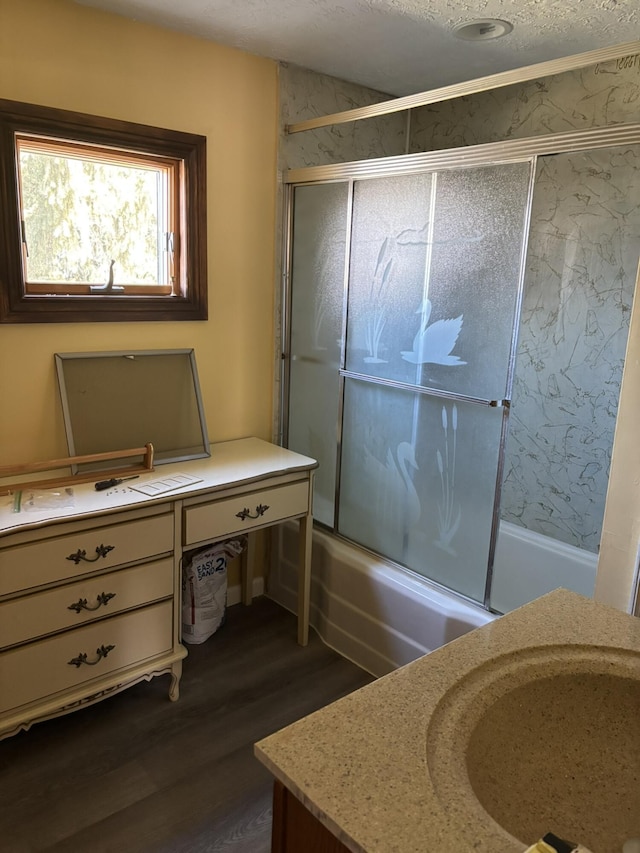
103 220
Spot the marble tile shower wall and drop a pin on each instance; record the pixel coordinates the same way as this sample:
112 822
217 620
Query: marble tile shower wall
581 268
305 94
608 93
582 260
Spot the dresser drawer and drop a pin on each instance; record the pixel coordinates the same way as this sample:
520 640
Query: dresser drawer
40 669
42 613
49 560
222 518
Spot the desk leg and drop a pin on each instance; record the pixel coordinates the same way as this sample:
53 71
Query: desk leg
174 687
247 563
304 577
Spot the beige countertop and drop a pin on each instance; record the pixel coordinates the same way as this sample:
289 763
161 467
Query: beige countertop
385 768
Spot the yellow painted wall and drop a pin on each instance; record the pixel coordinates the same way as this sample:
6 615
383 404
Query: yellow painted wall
60 54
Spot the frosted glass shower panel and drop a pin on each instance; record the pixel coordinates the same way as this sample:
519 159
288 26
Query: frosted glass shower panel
461 338
388 267
418 481
317 286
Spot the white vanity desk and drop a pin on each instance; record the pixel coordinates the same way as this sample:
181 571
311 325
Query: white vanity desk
90 593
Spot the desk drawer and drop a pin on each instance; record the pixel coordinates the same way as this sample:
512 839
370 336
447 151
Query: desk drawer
221 518
42 613
48 560
41 669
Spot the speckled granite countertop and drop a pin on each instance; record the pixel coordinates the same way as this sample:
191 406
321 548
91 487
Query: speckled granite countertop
385 768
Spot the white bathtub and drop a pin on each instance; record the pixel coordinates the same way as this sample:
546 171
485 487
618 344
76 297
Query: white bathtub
374 614
381 617
528 565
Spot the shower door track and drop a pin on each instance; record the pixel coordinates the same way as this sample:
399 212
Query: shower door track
490 153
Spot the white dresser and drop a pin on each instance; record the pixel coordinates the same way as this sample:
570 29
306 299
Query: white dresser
90 593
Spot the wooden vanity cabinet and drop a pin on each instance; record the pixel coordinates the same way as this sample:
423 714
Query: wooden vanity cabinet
295 828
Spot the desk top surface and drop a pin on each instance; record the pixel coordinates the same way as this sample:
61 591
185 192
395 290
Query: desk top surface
232 463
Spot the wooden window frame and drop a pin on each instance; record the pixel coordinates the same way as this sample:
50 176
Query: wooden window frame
29 303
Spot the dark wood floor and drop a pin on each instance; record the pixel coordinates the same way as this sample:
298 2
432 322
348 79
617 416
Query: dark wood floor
138 773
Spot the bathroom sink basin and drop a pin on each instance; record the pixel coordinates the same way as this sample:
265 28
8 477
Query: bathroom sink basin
562 754
546 740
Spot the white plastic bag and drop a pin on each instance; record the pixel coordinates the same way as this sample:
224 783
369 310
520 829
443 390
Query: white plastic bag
204 589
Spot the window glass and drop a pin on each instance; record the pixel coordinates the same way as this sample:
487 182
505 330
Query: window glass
90 216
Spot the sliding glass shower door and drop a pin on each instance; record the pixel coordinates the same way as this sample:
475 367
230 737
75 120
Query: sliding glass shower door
319 232
404 301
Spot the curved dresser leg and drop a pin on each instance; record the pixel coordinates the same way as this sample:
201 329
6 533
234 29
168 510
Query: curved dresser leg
174 687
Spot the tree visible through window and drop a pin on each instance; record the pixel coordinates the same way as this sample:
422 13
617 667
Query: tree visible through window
108 219
90 221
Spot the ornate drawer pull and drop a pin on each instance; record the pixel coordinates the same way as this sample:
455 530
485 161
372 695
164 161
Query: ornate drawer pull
246 513
81 603
102 652
101 551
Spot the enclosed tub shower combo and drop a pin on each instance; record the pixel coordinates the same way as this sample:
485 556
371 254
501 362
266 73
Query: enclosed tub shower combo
456 326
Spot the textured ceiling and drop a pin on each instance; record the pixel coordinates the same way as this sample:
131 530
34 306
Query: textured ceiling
396 46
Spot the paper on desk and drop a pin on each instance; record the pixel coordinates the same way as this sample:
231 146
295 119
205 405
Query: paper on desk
166 484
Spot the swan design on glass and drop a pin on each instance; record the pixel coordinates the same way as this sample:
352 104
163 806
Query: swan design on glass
398 505
382 284
449 515
434 343
375 316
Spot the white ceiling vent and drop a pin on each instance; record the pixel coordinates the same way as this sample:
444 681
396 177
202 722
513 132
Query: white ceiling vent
482 30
